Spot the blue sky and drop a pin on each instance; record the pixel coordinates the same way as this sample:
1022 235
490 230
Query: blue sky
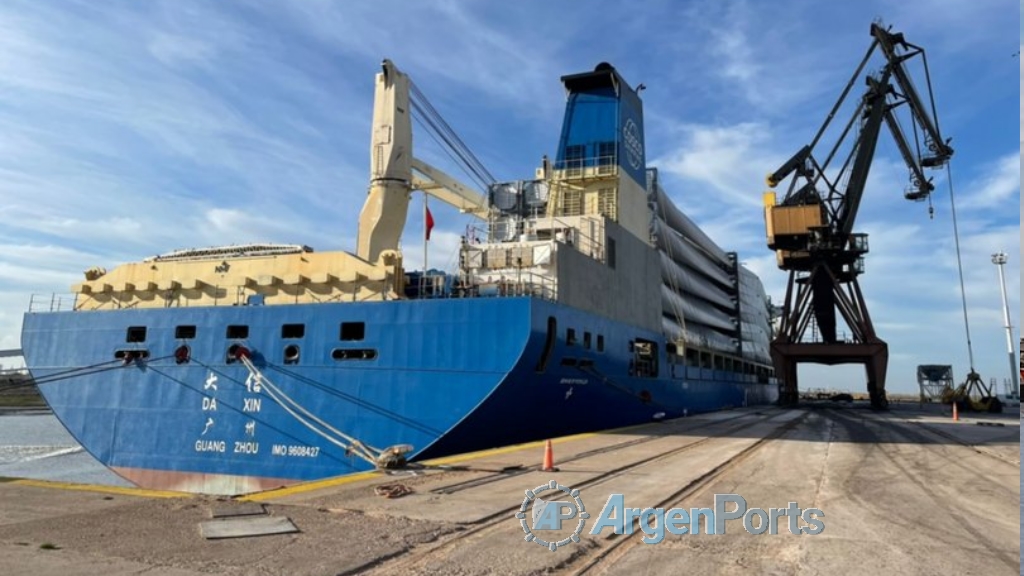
129 129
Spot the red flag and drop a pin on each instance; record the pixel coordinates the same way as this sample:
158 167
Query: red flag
429 223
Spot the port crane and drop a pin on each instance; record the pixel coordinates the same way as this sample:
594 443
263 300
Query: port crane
812 229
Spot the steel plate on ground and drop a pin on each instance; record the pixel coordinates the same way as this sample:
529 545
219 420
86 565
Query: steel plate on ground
245 527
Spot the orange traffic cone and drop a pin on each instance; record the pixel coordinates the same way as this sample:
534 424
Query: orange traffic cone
549 459
956 415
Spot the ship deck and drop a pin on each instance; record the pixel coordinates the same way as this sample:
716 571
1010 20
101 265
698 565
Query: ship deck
907 491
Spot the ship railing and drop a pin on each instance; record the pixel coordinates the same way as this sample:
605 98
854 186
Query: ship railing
54 302
579 167
578 237
523 283
581 232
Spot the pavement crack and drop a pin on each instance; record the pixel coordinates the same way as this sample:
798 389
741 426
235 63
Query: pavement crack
823 475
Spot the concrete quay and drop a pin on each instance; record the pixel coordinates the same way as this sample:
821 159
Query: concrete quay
908 491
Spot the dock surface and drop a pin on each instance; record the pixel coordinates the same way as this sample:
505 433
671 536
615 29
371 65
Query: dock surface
903 492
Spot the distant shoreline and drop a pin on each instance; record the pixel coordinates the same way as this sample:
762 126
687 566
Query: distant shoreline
19 393
25 411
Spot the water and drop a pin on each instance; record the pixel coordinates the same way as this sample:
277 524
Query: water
36 446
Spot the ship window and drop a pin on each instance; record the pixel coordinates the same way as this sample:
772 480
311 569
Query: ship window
135 334
568 361
600 342
293 331
238 332
570 336
586 340
353 330
572 202
610 251
354 354
184 332
586 363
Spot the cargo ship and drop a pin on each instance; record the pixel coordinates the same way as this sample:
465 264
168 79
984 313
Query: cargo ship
585 301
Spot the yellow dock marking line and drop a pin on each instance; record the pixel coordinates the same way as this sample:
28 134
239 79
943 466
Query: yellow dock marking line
307 487
122 491
350 478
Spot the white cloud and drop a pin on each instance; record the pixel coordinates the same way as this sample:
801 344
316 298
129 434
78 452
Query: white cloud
726 159
1000 184
459 45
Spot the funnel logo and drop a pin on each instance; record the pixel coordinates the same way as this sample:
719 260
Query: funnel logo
633 144
547 515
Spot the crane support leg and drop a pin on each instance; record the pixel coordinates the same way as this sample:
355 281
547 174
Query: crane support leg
785 370
791 347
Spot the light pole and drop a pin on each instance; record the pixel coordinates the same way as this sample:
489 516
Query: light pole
999 259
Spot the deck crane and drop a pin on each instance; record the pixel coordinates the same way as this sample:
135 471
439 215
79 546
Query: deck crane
811 229
396 172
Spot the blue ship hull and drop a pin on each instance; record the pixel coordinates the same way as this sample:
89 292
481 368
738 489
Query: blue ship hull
445 376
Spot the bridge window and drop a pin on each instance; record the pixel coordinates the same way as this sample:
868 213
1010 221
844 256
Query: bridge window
606 157
574 160
600 342
586 340
570 336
